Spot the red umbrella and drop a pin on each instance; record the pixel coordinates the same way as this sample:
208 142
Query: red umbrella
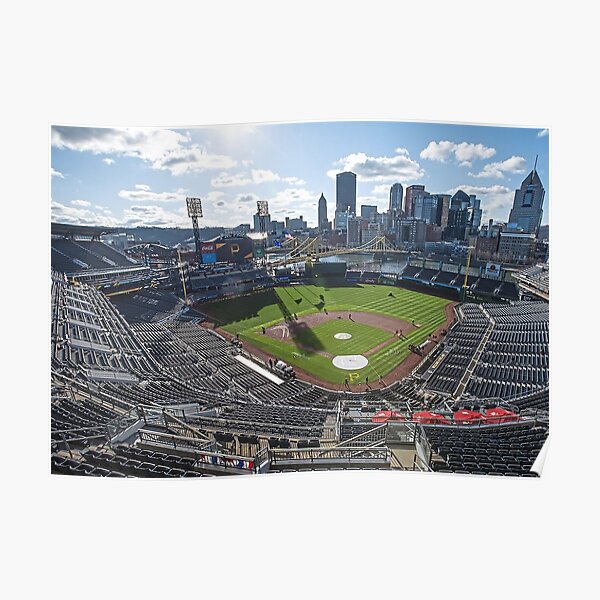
387 415
500 415
467 416
430 418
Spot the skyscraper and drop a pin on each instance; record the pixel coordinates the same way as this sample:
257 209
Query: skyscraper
458 217
369 212
396 193
443 207
464 216
345 192
409 198
354 231
527 212
426 208
323 222
475 213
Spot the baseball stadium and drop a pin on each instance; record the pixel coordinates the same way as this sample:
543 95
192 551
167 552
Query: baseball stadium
222 361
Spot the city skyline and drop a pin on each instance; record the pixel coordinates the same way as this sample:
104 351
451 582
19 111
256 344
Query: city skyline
141 176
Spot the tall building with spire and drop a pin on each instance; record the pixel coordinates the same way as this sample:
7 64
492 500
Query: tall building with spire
345 192
323 221
526 213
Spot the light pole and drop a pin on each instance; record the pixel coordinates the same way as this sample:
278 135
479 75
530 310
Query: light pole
464 287
194 210
262 207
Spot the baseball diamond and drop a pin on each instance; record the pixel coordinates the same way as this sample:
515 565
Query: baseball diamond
303 325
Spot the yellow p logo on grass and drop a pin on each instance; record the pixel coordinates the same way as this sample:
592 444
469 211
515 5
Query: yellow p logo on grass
353 376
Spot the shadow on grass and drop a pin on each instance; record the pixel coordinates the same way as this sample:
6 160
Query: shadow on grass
299 332
305 336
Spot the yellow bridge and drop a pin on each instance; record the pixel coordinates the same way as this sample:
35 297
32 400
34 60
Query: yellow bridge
314 248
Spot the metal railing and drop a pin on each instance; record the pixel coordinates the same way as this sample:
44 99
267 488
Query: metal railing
372 436
490 422
180 428
203 451
123 422
262 429
336 454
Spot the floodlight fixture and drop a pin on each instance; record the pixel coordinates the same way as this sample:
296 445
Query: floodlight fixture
194 207
263 208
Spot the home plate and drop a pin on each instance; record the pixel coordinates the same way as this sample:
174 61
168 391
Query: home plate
342 336
349 362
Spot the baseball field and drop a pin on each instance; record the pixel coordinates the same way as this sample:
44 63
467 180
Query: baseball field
336 334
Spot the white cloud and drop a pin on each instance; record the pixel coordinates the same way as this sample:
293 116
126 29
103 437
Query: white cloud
227 180
56 173
381 190
496 200
108 161
213 196
193 158
254 177
264 176
164 149
295 202
291 202
167 209
380 168
496 170
153 216
79 216
464 152
80 203
543 132
143 193
246 198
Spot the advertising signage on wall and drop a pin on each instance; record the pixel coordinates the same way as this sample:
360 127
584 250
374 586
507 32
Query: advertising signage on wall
492 270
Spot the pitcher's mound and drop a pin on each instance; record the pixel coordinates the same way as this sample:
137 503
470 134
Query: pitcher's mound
349 362
342 336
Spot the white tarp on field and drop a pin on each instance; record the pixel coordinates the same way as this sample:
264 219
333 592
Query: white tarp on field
255 367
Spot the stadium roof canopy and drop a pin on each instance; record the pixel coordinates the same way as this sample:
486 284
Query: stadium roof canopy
67 229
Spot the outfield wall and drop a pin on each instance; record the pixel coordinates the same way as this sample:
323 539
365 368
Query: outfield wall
438 290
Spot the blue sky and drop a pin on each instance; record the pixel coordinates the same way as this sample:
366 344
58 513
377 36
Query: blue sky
141 176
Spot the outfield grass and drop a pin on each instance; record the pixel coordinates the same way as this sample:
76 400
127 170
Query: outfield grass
248 314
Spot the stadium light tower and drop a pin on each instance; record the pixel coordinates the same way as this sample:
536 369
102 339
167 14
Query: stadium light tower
194 210
463 291
262 207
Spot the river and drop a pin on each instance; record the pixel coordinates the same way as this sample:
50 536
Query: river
371 262
367 262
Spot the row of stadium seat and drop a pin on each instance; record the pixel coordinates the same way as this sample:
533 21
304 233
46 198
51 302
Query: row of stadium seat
505 449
